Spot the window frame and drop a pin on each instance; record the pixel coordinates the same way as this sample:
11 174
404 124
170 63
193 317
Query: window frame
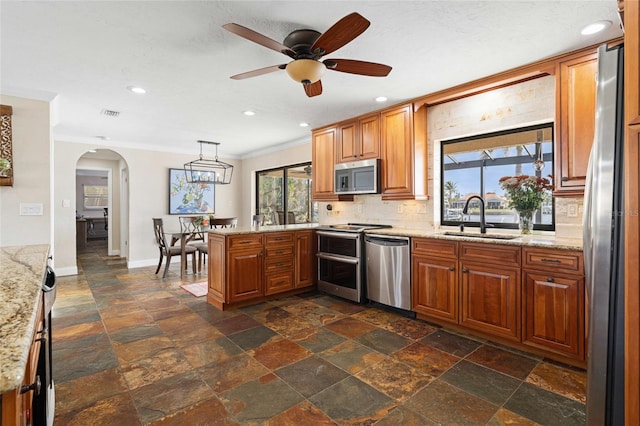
285 189
104 197
481 164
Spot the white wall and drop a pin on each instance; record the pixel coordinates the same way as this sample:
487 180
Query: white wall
148 198
31 182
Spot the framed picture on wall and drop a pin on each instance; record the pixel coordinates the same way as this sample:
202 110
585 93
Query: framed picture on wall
189 198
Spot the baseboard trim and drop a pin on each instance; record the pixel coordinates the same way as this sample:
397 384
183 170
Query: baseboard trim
65 272
142 263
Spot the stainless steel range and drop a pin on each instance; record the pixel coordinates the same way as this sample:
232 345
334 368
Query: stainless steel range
340 259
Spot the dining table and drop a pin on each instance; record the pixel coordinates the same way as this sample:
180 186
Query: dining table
173 236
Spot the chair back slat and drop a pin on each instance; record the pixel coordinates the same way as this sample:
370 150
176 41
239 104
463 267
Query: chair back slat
227 222
188 224
158 229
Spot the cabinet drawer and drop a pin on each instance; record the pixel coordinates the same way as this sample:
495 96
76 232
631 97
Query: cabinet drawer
278 282
276 263
434 247
237 242
496 254
278 250
279 238
543 260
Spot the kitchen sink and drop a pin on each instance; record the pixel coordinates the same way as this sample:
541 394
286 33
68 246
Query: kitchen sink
486 236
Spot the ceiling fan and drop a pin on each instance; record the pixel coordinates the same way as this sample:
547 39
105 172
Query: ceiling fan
306 47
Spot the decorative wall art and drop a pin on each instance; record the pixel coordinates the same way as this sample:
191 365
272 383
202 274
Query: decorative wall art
6 146
189 198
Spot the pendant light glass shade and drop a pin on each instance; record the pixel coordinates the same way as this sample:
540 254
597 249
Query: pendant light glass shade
205 170
306 71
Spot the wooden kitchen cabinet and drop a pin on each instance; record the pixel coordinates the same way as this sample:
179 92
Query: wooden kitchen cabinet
396 152
434 280
305 258
323 157
245 267
279 262
575 121
490 288
553 314
250 268
359 139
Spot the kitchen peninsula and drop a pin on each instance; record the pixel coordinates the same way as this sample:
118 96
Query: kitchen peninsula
22 269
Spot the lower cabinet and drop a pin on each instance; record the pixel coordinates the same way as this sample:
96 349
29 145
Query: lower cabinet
530 298
245 268
490 299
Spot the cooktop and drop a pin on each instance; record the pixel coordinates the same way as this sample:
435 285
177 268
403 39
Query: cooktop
355 227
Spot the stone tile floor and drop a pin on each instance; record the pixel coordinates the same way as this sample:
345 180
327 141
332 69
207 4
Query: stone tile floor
130 348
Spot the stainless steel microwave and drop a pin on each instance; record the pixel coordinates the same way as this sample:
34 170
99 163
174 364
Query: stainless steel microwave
357 177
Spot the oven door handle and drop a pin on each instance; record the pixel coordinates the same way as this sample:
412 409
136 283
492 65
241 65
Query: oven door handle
343 259
345 235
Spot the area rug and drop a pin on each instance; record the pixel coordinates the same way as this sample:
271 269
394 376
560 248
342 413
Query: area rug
197 289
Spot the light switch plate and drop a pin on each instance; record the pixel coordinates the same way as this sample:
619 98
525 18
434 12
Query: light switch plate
30 209
66 203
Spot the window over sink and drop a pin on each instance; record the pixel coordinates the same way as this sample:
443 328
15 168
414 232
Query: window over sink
474 165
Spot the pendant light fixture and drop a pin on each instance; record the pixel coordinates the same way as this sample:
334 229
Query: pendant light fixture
205 170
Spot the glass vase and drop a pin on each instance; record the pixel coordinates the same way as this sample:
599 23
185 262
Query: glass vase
525 221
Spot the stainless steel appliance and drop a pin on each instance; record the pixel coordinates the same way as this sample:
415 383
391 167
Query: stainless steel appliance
357 177
340 261
603 228
388 273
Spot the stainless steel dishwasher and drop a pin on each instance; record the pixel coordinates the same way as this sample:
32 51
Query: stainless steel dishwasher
388 270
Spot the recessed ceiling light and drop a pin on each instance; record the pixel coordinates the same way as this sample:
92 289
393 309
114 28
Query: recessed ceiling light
596 27
381 99
303 124
249 113
136 89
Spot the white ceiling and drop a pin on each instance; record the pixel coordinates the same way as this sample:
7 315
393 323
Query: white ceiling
87 52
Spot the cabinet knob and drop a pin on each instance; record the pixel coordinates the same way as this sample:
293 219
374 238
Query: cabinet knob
451 268
564 179
465 270
35 386
549 279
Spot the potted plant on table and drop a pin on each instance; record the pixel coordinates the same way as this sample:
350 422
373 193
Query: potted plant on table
525 194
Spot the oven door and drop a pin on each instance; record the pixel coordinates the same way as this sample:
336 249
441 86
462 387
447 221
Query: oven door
340 276
345 244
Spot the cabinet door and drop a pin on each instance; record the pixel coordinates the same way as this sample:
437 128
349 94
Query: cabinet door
323 158
305 259
491 299
397 153
245 269
216 268
576 111
347 143
369 137
435 288
553 315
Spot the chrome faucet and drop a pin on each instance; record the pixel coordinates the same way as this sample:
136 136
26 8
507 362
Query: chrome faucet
483 225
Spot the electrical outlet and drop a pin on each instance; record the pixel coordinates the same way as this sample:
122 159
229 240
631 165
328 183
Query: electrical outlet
572 210
399 208
359 208
422 208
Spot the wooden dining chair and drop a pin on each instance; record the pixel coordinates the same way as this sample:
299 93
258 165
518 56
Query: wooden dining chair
188 224
203 247
170 250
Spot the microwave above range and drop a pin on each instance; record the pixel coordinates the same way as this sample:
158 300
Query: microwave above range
357 177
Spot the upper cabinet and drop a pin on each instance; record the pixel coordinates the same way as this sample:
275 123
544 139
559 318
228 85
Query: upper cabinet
397 152
359 139
323 157
575 121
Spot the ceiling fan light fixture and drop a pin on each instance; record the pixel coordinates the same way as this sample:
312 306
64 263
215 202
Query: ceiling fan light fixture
305 71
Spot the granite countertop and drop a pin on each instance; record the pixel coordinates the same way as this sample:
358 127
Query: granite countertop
262 229
22 269
534 240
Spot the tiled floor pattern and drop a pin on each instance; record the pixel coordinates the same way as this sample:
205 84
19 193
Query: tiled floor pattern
131 348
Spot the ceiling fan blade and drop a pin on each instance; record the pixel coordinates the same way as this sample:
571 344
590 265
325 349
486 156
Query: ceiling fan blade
313 89
261 71
350 66
256 37
341 33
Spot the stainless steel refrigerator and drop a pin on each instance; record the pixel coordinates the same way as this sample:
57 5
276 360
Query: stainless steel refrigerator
603 228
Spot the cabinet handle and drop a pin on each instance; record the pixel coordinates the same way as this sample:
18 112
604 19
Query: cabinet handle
549 279
550 260
564 179
451 268
465 270
35 386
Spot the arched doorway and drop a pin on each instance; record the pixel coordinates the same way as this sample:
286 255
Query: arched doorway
102 200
